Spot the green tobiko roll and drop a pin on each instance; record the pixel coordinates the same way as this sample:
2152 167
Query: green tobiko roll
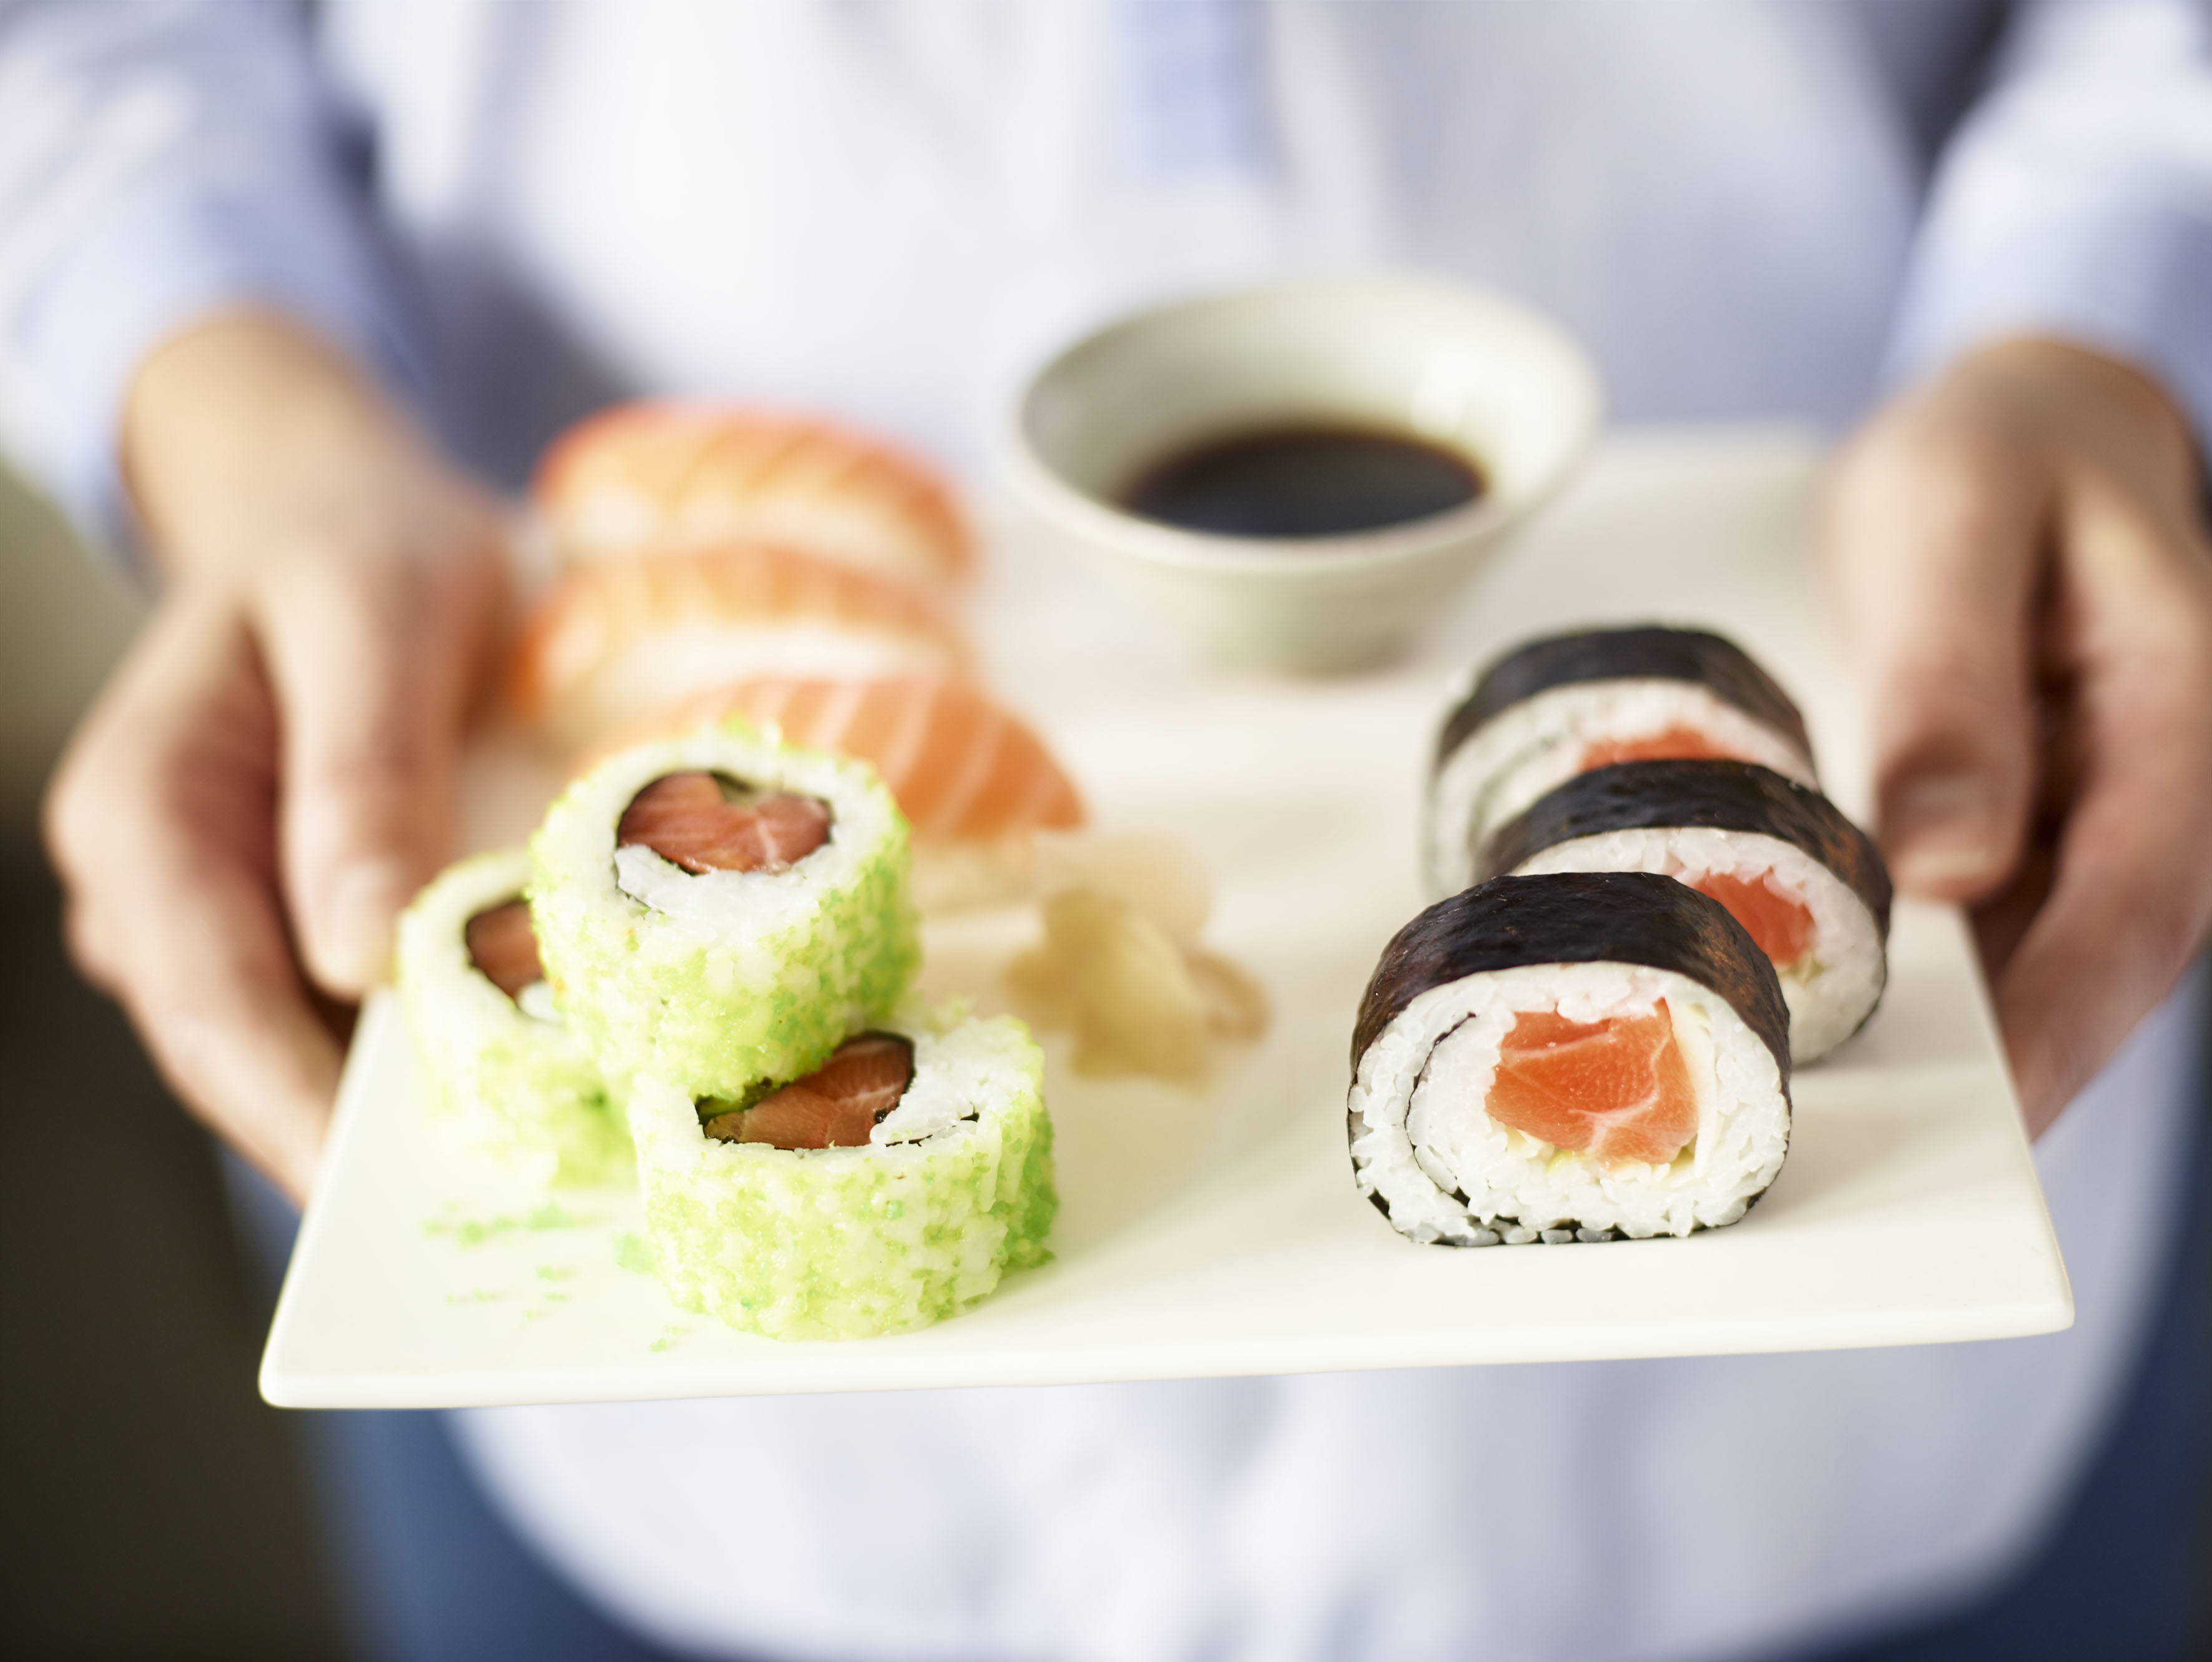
718 981
952 1188
507 1075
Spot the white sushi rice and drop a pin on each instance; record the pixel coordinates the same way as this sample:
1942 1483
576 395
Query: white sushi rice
1538 743
1425 1145
1833 988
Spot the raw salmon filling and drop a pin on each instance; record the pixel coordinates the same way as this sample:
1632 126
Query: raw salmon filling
502 947
1615 1090
1779 923
1675 744
707 822
836 1106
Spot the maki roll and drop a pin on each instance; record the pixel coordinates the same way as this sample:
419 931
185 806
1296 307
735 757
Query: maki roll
505 1071
1568 1057
1806 884
883 1193
719 911
1557 707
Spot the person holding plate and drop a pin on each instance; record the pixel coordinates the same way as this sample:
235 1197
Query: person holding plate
284 301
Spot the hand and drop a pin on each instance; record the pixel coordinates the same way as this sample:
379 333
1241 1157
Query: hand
2021 561
270 775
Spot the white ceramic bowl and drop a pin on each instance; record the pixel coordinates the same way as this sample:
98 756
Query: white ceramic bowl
1453 365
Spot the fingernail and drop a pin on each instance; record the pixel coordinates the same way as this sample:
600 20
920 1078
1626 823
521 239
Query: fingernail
363 900
1942 833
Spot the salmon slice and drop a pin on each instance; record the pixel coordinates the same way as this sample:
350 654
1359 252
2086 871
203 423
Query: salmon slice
504 947
681 476
962 768
1778 923
834 1107
611 642
1677 744
1617 1090
705 823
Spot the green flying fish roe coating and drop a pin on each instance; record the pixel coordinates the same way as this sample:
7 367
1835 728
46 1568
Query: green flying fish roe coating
848 1243
521 1090
717 981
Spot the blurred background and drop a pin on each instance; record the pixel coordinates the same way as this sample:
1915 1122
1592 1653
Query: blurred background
156 1507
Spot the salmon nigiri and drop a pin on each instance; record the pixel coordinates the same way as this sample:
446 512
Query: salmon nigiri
613 641
963 769
680 476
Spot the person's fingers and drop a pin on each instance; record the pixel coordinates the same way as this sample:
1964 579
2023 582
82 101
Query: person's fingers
159 822
362 657
2130 895
1930 539
88 944
219 998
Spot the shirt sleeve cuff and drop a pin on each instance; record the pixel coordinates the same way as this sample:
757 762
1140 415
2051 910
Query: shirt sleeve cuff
2127 274
154 267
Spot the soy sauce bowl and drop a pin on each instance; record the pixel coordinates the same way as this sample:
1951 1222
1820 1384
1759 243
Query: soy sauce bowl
1450 365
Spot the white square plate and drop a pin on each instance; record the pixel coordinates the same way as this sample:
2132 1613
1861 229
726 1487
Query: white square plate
1219 1233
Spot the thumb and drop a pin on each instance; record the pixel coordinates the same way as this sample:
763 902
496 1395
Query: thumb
1933 551
370 712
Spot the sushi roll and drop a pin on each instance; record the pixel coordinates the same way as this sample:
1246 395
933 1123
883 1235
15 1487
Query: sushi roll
963 769
505 1071
719 911
884 1191
612 642
1807 885
680 476
1570 1057
1554 707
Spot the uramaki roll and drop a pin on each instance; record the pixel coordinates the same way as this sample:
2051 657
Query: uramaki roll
1568 1057
1809 885
1554 707
884 1192
506 1073
719 911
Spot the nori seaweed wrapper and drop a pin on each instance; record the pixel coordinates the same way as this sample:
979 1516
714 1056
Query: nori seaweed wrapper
1578 917
1706 793
1651 653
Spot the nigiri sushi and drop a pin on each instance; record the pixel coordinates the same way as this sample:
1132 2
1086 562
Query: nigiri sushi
963 769
611 642
677 476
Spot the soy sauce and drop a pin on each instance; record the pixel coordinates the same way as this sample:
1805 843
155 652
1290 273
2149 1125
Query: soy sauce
1303 481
